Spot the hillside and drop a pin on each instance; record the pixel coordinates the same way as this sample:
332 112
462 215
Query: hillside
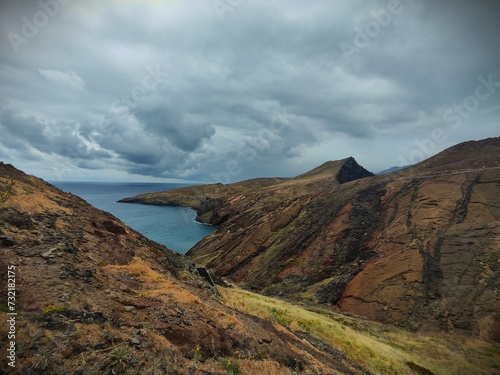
417 248
95 297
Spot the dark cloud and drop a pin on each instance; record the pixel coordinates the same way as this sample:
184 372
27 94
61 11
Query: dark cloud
173 121
172 90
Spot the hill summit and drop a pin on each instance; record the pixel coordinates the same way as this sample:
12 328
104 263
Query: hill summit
342 171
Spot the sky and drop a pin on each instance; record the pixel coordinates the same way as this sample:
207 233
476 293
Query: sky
225 90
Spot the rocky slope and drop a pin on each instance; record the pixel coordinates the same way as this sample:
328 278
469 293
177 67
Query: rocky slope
419 247
93 296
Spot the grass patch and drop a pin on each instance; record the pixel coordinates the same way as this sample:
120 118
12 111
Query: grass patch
280 316
49 309
309 325
381 349
154 284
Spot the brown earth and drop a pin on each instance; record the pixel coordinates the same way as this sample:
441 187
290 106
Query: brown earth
93 296
419 248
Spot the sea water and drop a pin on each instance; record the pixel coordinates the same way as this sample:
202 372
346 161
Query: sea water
174 227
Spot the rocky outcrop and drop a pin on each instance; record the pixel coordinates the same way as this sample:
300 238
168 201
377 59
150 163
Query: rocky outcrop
417 248
341 171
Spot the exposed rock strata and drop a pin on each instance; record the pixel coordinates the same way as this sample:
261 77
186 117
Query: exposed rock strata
419 247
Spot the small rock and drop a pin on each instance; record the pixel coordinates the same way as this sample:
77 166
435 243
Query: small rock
265 341
134 341
49 254
129 308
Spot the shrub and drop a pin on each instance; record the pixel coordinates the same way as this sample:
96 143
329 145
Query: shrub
119 358
197 353
231 367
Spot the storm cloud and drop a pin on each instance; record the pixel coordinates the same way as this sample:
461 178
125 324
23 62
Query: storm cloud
226 90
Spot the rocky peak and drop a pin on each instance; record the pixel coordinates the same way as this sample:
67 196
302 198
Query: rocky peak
342 171
351 171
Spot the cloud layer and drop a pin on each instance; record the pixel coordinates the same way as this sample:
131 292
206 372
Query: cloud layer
228 90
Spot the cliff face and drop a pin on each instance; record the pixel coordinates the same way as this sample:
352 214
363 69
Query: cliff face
93 296
418 247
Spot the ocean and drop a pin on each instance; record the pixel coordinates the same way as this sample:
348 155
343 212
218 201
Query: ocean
174 227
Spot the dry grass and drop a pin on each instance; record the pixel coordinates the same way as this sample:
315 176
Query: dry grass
30 200
157 285
226 321
378 348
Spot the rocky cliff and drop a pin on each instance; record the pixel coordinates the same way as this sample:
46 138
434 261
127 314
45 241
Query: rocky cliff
92 296
419 247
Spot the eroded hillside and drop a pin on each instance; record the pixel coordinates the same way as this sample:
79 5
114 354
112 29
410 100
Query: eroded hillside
93 296
418 248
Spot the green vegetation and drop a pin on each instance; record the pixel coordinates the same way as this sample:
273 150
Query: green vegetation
197 353
280 316
119 357
308 325
49 309
231 367
381 349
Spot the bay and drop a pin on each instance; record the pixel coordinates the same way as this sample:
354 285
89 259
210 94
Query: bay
174 227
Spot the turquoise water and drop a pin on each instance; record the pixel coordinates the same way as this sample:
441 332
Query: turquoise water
174 227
